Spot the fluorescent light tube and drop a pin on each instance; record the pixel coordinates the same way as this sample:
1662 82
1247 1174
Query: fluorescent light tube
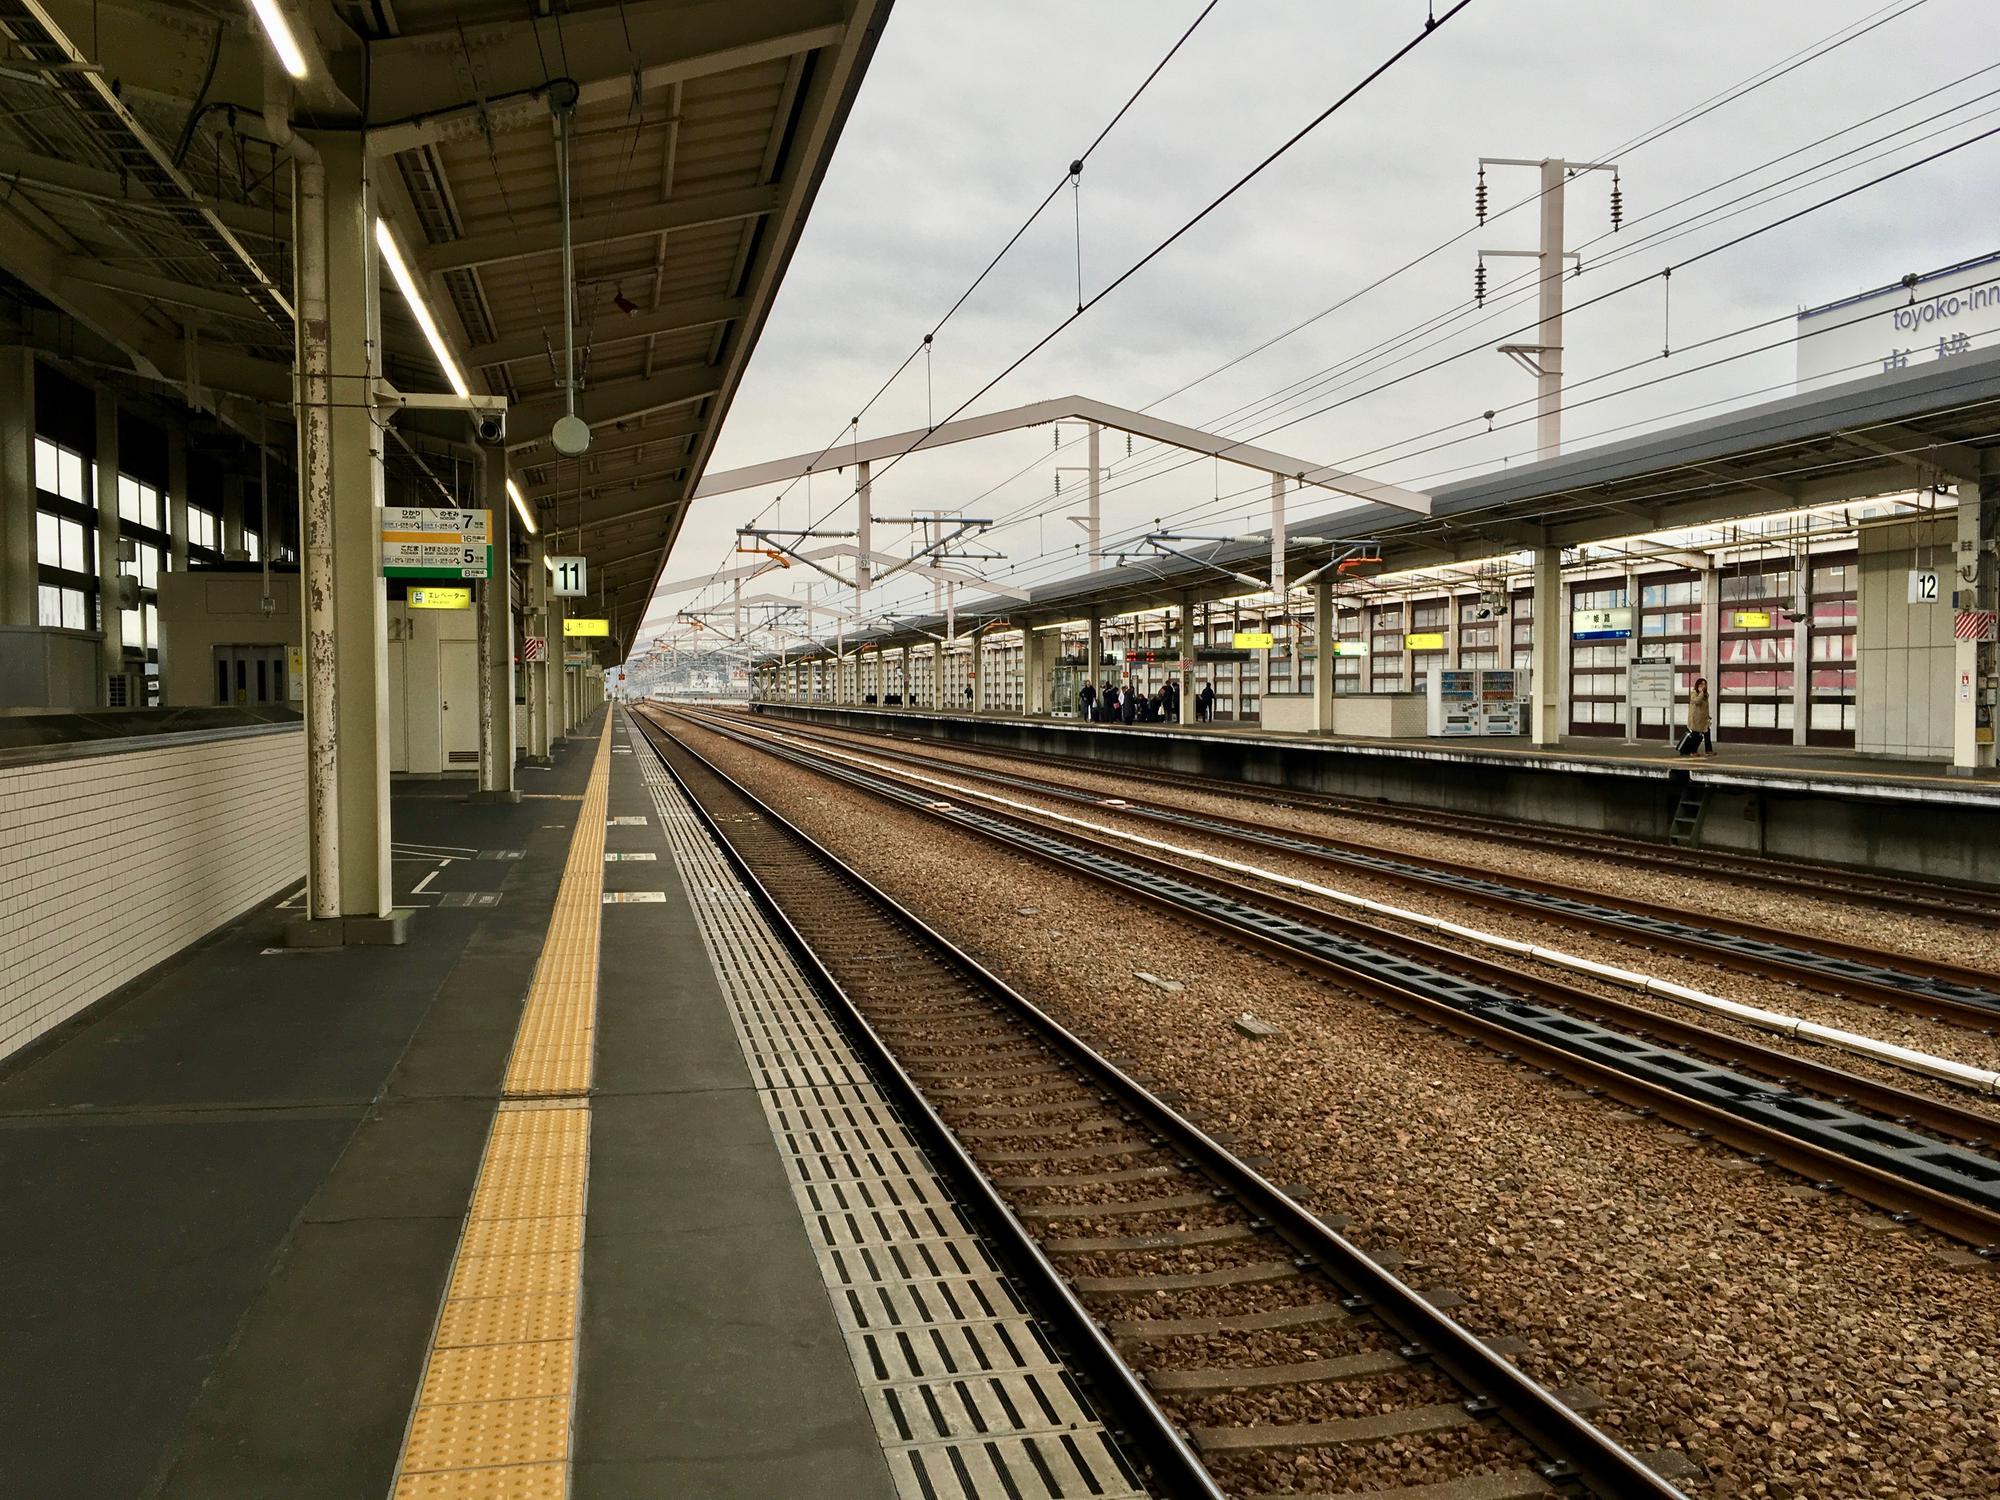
521 507
279 30
385 239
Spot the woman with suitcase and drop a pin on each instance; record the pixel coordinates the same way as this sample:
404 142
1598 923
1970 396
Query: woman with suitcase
1699 740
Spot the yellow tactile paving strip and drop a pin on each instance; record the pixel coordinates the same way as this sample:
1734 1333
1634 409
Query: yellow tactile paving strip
493 1415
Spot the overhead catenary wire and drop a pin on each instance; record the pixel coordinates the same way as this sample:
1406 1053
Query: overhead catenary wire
1840 37
924 344
1761 78
1435 324
1757 80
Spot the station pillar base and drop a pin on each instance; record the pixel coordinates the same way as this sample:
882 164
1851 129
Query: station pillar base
539 762
391 931
510 794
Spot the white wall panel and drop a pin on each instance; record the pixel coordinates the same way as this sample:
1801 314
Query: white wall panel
110 864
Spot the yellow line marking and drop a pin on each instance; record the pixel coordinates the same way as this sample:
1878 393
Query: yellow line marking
494 1414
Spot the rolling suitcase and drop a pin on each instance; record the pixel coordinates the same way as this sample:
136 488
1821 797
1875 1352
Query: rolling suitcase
1689 740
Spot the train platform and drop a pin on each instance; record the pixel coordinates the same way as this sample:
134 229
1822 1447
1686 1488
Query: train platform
1736 763
552 1200
1832 806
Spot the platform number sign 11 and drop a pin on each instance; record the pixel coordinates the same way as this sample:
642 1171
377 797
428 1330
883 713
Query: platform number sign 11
1923 586
566 574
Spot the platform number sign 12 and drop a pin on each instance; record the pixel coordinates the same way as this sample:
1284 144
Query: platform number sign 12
1923 586
566 574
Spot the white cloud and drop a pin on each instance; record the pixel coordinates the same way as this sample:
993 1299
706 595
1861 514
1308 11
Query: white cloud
972 110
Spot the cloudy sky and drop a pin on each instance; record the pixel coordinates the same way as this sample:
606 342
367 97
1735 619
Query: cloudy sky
972 110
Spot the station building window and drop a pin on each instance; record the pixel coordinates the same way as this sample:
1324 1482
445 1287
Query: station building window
142 522
1597 668
65 539
1385 649
204 533
1670 627
1835 612
1480 642
1521 619
1755 700
1347 669
1428 617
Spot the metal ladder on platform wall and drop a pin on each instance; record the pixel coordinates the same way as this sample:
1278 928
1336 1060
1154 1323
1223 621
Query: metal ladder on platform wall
1690 808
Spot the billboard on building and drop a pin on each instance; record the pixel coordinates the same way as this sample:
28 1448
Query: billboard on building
1902 326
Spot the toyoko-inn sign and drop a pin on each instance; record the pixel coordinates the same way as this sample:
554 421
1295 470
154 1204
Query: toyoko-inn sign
1902 326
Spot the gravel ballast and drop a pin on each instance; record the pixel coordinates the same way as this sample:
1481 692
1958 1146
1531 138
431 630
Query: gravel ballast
1788 1347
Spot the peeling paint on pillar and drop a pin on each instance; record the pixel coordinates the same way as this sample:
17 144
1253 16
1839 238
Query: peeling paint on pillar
315 401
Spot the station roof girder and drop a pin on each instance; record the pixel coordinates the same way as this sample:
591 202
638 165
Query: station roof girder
724 115
1847 442
1064 408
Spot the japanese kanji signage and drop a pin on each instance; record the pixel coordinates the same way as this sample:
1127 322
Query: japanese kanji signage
419 542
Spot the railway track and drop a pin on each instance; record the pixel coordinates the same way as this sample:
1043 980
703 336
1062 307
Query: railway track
1922 987
1200 1280
1811 1129
1890 893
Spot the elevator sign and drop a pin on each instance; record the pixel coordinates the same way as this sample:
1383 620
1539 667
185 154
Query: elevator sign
419 542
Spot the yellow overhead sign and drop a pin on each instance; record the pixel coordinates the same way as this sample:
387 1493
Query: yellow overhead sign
1750 619
435 597
1253 640
586 627
1425 640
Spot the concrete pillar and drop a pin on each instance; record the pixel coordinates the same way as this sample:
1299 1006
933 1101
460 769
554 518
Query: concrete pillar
552 679
1324 659
111 650
976 643
535 693
903 687
1975 664
1094 649
1184 674
232 514
177 500
1035 668
1634 648
18 599
937 675
1801 650
496 638
1711 646
1549 629
349 896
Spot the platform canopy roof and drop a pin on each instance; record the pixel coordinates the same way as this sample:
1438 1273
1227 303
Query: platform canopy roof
142 198
1938 423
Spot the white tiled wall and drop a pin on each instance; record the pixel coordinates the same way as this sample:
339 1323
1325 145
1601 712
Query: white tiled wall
111 863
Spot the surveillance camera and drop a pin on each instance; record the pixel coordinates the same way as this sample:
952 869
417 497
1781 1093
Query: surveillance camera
491 427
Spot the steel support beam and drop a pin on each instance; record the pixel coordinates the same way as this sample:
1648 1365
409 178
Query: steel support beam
349 896
671 317
496 639
18 595
599 226
622 401
535 689
1548 630
417 92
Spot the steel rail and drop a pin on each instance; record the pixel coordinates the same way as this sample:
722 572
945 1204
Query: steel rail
1923 898
1785 1068
1291 939
1578 1450
1166 1451
1915 985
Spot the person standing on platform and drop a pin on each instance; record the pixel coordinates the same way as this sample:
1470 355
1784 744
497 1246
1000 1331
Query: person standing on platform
1701 721
1128 705
1086 699
1204 703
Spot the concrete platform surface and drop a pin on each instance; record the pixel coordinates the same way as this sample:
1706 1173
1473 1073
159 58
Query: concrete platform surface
234 1192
